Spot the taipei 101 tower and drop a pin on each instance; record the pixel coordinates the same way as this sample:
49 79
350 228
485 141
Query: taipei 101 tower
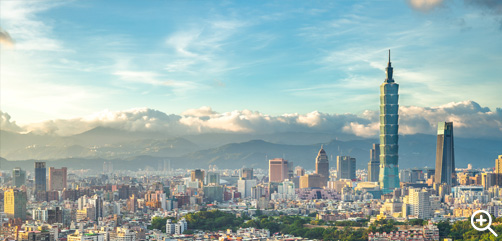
389 167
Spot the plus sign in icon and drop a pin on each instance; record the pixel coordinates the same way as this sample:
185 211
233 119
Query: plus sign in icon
478 223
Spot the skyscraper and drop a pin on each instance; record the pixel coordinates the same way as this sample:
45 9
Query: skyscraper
374 164
497 175
299 171
445 156
40 177
322 166
277 170
213 178
247 173
18 176
57 179
312 181
419 201
97 202
245 186
15 203
197 176
389 107
345 167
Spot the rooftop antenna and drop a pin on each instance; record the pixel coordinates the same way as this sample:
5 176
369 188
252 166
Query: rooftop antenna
389 55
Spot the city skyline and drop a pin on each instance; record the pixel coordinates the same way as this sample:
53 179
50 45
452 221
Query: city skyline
97 65
250 120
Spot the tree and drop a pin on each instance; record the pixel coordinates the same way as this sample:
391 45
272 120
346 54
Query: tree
213 220
160 223
444 229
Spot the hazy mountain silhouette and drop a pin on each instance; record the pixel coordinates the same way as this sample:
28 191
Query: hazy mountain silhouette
147 149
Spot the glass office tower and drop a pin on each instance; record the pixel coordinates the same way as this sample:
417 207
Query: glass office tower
389 166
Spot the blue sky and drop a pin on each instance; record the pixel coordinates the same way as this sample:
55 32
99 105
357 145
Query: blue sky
75 58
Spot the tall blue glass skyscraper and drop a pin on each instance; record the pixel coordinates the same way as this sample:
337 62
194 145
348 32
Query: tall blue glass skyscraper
389 107
40 177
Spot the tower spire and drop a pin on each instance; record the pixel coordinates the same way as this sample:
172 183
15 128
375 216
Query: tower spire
388 71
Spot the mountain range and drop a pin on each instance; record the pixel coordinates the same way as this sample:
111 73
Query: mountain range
148 150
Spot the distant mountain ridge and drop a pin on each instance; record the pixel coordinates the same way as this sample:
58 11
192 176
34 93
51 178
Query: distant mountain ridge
228 150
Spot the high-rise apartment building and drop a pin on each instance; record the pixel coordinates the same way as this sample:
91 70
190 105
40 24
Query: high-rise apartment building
445 155
285 190
389 107
213 193
277 170
419 200
197 176
176 228
299 171
497 173
97 202
213 178
57 179
15 203
40 177
245 186
18 176
247 173
374 164
345 167
498 165
322 166
312 181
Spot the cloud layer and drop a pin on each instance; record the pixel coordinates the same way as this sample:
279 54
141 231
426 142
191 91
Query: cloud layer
7 124
469 118
486 7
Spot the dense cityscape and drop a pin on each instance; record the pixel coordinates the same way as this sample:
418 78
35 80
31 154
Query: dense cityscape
285 202
263 120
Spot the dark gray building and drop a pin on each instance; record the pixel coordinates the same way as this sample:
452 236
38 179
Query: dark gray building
346 167
322 166
40 177
18 177
374 164
445 155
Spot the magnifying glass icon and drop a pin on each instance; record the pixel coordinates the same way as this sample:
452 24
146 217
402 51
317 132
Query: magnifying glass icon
481 220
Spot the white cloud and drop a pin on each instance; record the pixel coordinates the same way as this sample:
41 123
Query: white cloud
468 117
31 34
31 77
156 79
141 119
470 120
370 130
6 124
202 111
200 49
